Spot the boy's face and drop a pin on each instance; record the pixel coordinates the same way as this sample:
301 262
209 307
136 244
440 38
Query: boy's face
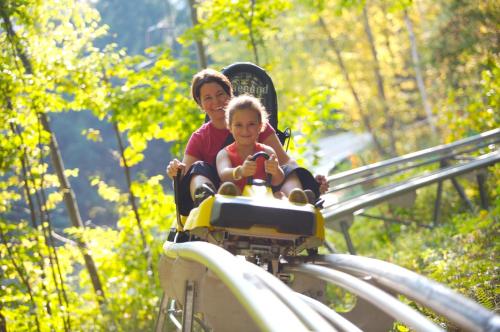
245 126
213 100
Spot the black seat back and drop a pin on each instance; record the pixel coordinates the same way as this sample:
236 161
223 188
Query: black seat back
251 79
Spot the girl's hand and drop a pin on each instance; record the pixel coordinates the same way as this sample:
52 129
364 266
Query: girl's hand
272 166
173 167
249 167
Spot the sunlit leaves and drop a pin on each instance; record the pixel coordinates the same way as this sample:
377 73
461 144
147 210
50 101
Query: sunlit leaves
316 112
106 191
148 102
479 112
53 199
249 21
68 73
92 134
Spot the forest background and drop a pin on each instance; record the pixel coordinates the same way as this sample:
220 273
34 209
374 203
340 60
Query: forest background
95 101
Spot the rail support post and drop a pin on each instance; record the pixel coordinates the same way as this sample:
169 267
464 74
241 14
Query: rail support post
439 195
437 203
462 194
483 193
347 237
188 312
162 314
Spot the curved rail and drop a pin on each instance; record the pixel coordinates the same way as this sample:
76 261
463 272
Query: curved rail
275 307
348 207
333 317
300 308
461 311
262 297
445 149
372 294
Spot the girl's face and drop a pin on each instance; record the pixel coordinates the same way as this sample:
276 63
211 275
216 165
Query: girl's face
213 100
245 126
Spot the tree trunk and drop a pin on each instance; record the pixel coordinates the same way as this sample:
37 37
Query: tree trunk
365 118
132 199
3 321
389 121
69 197
252 37
418 73
202 58
71 205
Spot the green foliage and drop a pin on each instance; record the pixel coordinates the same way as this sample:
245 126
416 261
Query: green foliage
132 289
148 103
249 21
474 109
51 64
300 57
319 110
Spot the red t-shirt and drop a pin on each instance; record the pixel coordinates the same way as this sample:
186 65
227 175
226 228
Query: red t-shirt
236 160
207 141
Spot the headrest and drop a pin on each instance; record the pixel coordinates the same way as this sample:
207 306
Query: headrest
248 78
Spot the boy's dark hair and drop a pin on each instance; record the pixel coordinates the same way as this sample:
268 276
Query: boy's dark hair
209 76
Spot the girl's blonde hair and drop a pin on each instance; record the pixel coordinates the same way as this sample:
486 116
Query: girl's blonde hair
244 102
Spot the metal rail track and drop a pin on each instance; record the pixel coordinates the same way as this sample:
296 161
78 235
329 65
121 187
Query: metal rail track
271 305
434 154
339 216
275 307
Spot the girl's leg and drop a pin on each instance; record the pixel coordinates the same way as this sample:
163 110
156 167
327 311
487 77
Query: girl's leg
294 184
279 195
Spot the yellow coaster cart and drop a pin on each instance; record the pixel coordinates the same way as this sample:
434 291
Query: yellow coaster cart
256 224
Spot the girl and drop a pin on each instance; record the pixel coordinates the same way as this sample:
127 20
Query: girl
245 119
